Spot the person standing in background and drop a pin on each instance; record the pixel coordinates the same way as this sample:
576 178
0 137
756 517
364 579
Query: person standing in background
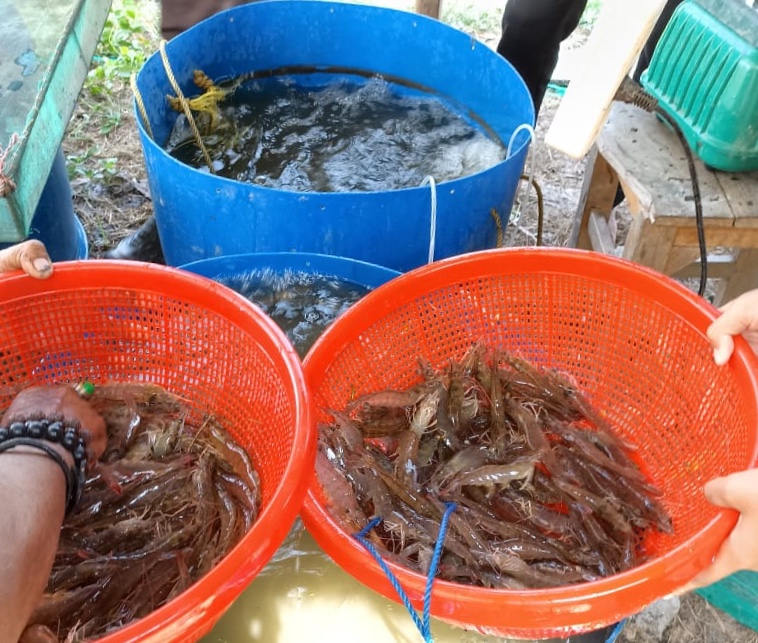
533 30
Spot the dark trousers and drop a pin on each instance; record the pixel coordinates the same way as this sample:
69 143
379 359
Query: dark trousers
534 29
531 38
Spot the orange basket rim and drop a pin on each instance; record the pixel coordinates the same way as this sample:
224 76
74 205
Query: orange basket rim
562 601
234 572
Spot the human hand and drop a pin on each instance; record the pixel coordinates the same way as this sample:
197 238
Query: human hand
29 256
739 316
740 550
38 634
61 401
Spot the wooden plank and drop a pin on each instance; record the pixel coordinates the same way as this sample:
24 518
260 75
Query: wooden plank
741 189
727 237
615 41
56 100
719 267
744 277
428 8
680 258
687 222
649 159
649 244
598 191
747 222
600 233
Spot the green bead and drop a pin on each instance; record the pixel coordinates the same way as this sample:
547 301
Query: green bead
85 388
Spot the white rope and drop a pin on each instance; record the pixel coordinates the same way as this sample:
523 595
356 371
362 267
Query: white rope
433 219
520 192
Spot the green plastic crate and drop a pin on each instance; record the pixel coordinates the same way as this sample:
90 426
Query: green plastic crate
737 595
704 73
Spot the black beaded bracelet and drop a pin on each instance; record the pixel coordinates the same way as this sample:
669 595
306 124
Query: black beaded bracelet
37 433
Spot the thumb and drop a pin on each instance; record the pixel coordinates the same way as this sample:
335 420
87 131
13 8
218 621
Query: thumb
38 634
736 491
30 256
722 331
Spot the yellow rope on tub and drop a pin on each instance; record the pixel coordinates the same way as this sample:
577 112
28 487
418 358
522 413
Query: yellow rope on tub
185 107
140 105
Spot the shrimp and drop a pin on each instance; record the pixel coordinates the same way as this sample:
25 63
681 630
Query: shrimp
424 415
490 475
466 459
390 398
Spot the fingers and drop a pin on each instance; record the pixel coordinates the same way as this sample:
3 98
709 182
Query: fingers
94 435
723 347
61 401
721 332
737 317
737 491
726 562
38 634
740 550
29 256
91 423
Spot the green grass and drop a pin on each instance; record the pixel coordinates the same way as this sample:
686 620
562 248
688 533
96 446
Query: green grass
471 19
129 37
591 12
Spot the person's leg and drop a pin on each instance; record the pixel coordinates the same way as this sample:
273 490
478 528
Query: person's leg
532 32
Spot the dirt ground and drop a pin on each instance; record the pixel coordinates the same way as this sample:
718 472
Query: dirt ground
112 200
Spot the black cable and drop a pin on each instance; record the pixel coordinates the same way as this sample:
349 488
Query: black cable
630 91
696 194
540 206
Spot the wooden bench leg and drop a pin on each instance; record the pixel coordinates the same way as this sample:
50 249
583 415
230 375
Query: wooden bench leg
597 195
649 244
744 277
428 8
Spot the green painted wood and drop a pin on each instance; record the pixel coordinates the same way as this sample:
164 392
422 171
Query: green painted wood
29 164
737 595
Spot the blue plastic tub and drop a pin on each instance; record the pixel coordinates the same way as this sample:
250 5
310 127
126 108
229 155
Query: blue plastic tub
201 215
357 272
54 221
233 271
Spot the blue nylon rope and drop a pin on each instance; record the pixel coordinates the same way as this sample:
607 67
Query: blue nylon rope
422 624
449 508
360 537
616 632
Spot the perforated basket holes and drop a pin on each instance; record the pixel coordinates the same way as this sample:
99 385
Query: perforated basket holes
645 369
125 335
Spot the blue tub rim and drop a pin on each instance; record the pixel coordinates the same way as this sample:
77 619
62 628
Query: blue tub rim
362 273
516 149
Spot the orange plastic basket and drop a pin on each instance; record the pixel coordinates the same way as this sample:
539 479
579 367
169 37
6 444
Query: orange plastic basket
635 342
124 321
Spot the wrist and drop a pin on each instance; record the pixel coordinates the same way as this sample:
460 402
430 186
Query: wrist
60 441
68 458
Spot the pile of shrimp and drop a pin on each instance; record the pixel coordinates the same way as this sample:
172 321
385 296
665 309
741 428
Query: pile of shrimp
545 493
164 504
